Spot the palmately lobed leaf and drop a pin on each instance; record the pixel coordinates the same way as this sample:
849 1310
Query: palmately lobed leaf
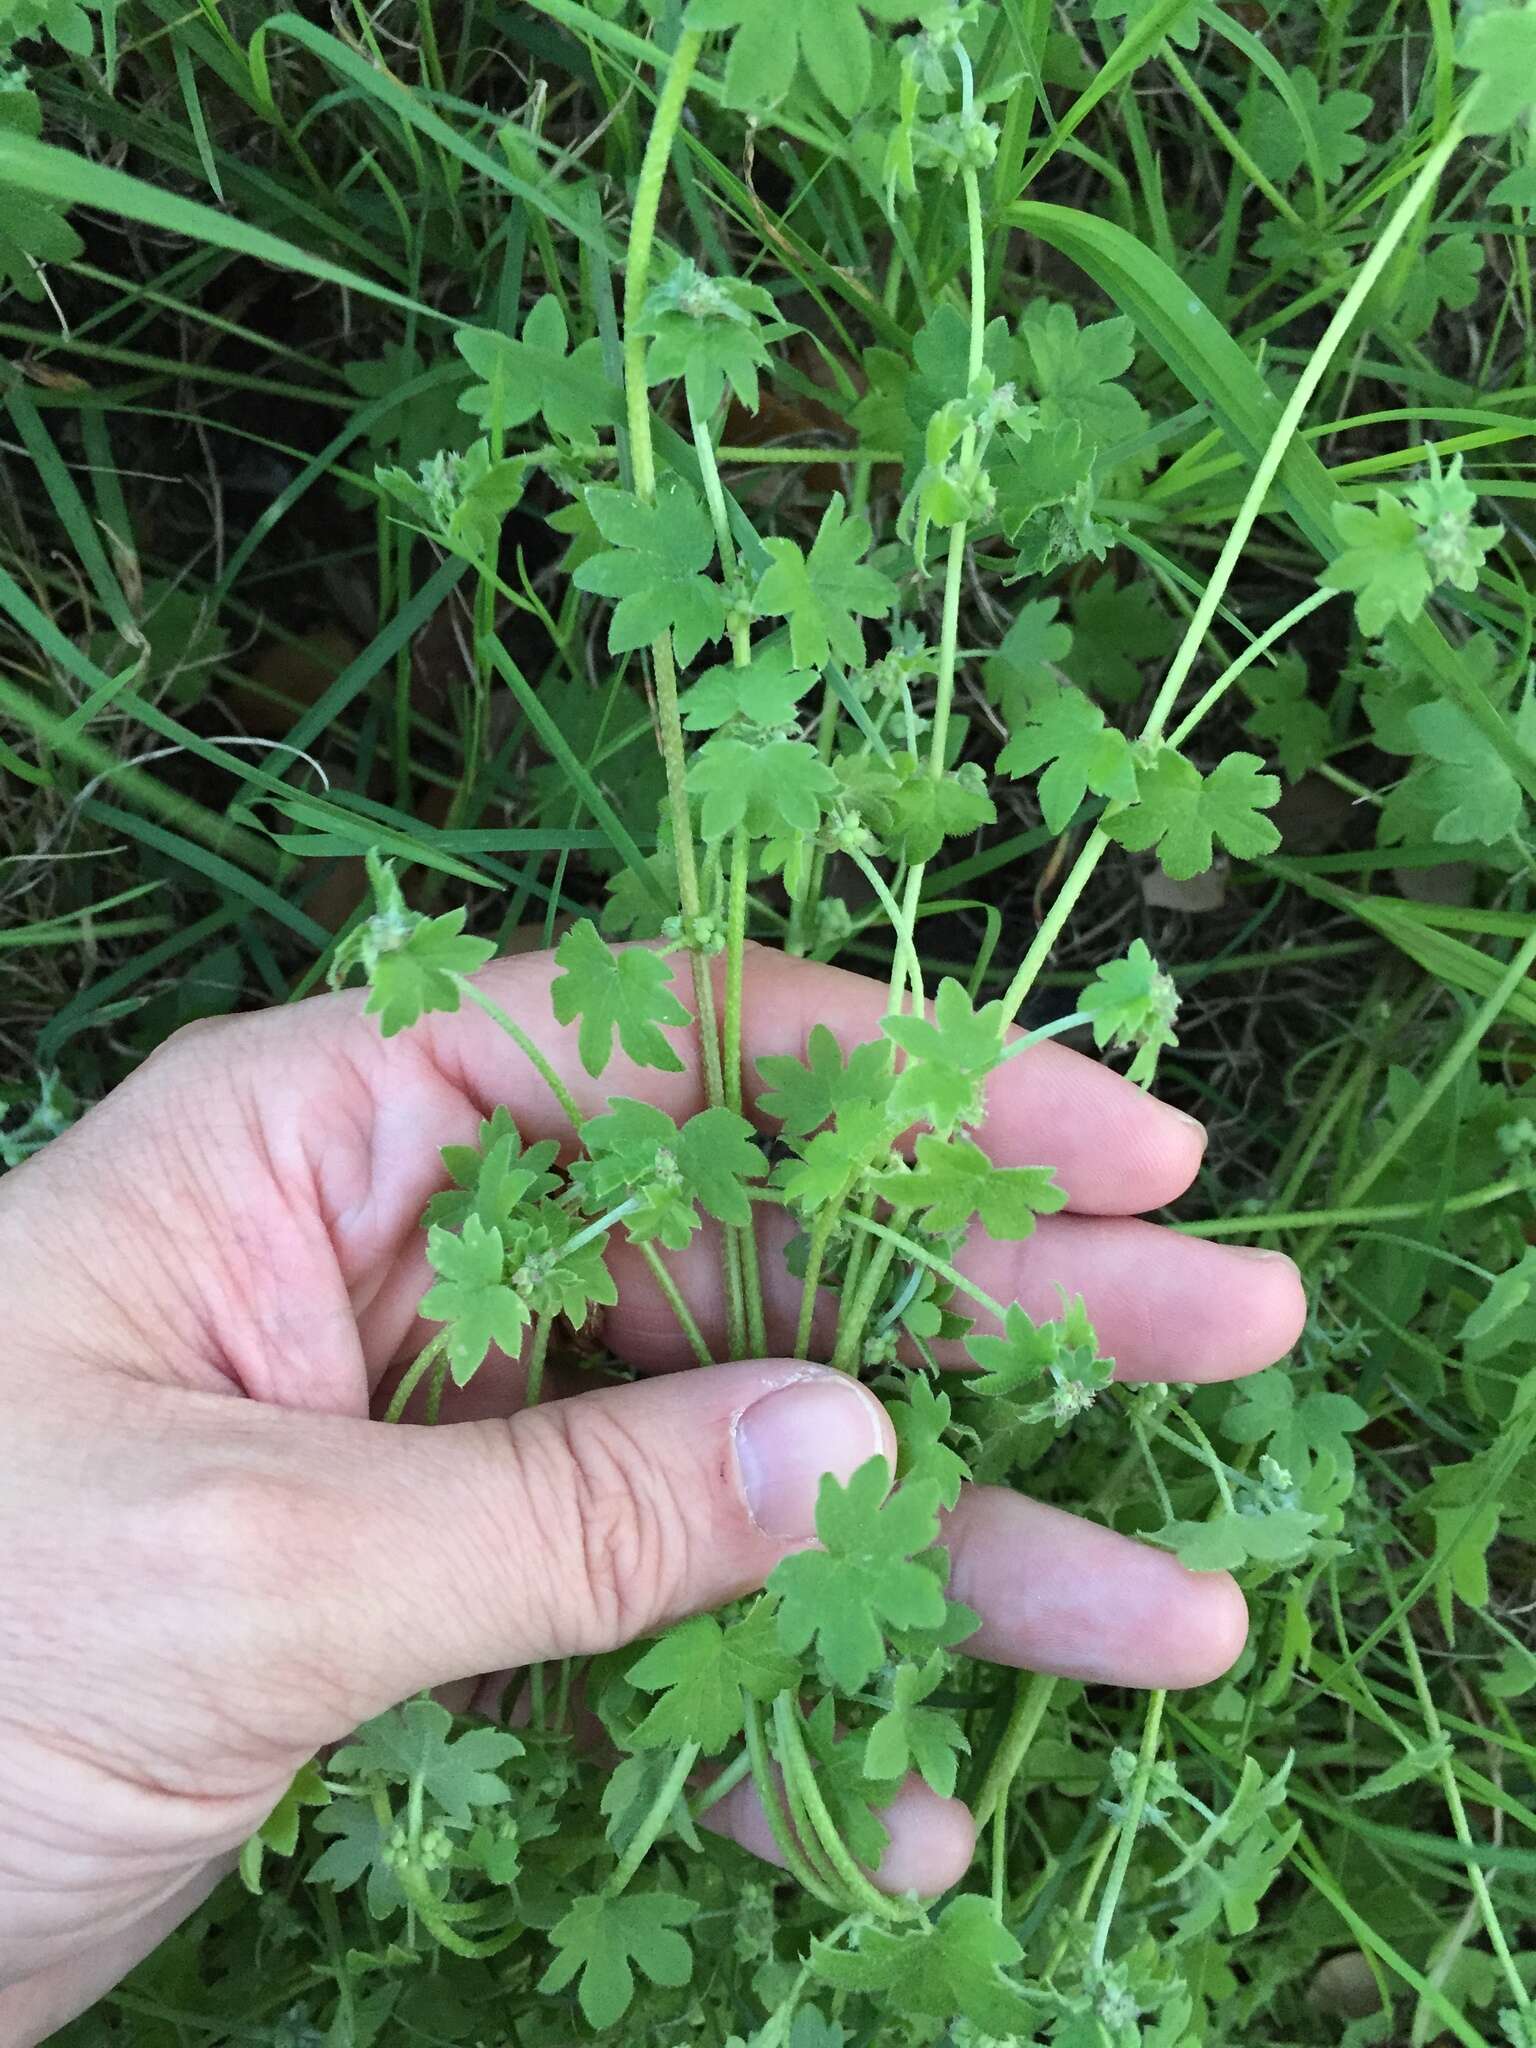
948 1058
1133 1002
954 1180
802 1094
654 568
1065 733
952 1966
612 991
829 37
824 593
865 1577
762 693
765 786
1185 814
1500 47
538 373
605 1939
700 1670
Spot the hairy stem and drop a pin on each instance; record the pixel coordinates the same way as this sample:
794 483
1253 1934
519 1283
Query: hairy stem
800 1776
536 1356
414 1373
1031 1700
1135 1804
530 1051
642 237
772 1796
1446 1773
1232 551
754 1330
655 1820
851 1335
675 1301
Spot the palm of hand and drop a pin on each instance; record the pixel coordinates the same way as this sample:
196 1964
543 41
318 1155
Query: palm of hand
204 1588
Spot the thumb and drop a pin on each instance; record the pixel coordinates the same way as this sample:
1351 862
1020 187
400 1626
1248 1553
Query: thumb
408 1556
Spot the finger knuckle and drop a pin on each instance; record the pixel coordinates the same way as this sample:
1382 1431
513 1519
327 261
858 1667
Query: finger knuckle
250 1535
188 1040
256 1581
627 1559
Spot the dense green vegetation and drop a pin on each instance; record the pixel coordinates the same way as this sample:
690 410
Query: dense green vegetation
1030 502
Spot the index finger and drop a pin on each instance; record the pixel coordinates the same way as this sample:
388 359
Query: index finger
1115 1150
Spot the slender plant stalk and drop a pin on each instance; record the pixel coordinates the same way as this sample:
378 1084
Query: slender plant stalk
435 1390
727 1781
821 1237
537 1353
528 1049
893 1241
954 571
642 236
679 1307
1232 551
851 1319
1465 1047
771 1794
1383 1212
1031 1702
660 1812
851 1334
745 1235
741 1240
795 1762
414 1374
1445 1771
1135 1803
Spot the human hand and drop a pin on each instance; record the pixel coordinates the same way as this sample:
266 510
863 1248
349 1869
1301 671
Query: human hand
216 1563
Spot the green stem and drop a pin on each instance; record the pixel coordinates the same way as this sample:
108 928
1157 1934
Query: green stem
529 1050
1135 1803
795 1762
1458 1812
744 1292
1051 925
896 1242
851 1334
414 1374
655 1820
599 1224
851 1320
1461 1051
901 924
954 571
435 1387
676 1303
1229 141
772 1797
1085 1892
1203 1449
1383 1212
536 1355
714 497
642 237
821 1237
1232 550
754 1330
1031 1699
1249 655
717 1788
430 1908
1290 420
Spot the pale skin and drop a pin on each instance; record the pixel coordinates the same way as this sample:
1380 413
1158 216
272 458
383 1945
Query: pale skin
216 1562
